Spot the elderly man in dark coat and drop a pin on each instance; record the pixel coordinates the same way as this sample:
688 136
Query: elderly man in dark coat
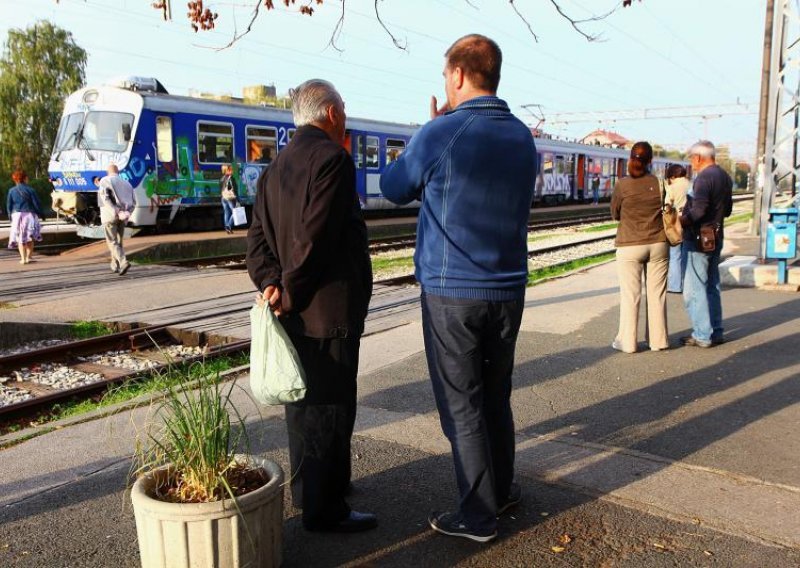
307 254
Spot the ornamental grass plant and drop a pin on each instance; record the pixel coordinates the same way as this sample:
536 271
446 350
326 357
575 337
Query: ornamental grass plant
198 439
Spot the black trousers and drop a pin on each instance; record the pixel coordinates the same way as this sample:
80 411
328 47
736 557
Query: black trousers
469 345
320 428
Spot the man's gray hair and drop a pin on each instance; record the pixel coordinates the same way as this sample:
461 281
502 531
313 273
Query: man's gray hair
703 148
311 99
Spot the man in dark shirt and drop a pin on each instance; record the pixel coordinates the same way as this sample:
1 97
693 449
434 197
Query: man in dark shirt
307 254
711 201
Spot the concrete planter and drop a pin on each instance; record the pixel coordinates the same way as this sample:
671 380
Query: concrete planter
211 535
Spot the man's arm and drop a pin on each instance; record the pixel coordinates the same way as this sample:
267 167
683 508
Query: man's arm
262 264
329 204
403 180
697 208
729 198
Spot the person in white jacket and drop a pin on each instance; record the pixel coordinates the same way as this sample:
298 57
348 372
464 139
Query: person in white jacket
116 200
676 186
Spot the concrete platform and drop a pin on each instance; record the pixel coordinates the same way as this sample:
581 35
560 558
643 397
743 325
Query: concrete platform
686 457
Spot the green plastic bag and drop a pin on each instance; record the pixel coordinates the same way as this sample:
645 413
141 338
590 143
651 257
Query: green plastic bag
276 375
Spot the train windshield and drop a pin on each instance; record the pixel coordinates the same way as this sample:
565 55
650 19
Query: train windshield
107 131
68 131
97 130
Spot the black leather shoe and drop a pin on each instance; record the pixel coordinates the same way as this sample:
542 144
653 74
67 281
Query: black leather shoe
354 522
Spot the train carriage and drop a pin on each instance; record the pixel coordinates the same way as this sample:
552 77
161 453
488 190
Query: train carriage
171 149
569 172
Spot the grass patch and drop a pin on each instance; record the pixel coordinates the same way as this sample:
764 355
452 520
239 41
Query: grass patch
381 264
540 274
739 218
131 389
534 238
88 329
599 228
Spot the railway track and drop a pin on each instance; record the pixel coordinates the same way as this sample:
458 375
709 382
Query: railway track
37 378
33 381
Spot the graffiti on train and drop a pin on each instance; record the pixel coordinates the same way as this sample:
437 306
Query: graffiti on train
553 184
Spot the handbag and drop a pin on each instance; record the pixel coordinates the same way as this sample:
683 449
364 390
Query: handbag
227 193
239 216
706 237
671 219
276 375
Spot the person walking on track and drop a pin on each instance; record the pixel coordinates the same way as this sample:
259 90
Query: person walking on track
117 201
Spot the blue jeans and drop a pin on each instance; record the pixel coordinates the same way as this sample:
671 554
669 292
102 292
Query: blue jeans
227 213
677 268
469 345
701 291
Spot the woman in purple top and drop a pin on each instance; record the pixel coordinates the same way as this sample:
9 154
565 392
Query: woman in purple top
25 210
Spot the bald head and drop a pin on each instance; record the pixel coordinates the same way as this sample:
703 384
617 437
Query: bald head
112 170
479 59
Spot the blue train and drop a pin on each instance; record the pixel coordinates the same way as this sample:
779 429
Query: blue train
171 149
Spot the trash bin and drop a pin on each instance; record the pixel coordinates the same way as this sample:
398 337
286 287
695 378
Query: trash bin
782 239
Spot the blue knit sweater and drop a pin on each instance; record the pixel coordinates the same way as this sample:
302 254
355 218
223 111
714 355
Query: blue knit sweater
474 170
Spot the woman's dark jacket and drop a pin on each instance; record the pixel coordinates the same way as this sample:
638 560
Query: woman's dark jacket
636 204
22 199
308 236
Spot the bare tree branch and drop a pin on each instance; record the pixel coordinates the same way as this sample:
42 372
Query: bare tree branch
237 36
521 17
575 23
337 30
395 41
203 19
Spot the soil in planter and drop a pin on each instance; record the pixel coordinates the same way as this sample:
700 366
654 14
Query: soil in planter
241 478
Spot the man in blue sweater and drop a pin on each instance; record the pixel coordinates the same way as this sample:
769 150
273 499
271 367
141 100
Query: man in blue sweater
473 166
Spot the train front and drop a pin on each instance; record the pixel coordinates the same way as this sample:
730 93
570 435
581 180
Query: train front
98 129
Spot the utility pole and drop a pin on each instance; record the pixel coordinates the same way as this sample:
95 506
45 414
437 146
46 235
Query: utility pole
759 170
779 159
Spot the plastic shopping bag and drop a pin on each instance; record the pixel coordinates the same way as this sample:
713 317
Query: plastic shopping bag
276 375
239 216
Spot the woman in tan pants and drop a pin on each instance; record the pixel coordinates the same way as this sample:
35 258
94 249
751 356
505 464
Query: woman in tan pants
641 248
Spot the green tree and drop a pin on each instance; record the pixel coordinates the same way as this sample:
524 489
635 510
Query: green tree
40 66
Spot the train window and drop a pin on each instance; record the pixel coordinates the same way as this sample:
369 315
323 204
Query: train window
393 149
214 142
164 138
564 164
68 131
104 130
373 147
262 144
357 153
547 163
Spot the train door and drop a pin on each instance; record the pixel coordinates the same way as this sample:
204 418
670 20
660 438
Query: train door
358 151
580 177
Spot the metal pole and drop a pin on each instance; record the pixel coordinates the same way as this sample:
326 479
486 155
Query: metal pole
776 86
760 169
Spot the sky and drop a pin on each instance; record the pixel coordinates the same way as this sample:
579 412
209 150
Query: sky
655 54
